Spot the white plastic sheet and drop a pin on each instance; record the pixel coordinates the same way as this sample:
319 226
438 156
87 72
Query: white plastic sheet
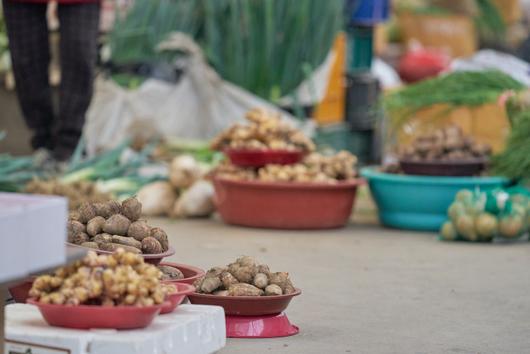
199 106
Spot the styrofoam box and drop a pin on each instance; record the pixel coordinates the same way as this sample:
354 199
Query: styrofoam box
33 234
193 329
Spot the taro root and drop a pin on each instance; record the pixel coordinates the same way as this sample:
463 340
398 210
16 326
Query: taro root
263 268
227 279
102 209
139 230
74 227
161 236
113 247
131 208
151 246
93 245
102 238
86 212
245 274
220 293
95 225
243 289
73 215
79 238
207 284
127 241
117 225
273 290
170 273
282 280
261 281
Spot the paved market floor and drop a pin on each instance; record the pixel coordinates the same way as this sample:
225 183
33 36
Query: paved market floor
368 289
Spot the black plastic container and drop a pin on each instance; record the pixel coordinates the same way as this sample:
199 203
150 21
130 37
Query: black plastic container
362 94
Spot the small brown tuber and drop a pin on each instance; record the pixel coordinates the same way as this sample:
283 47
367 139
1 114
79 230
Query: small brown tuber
273 290
210 284
117 225
73 228
131 208
102 209
243 289
151 246
220 293
170 273
86 212
127 241
102 238
261 281
114 207
79 238
282 280
93 245
139 230
161 236
263 268
113 247
245 274
228 279
246 261
95 225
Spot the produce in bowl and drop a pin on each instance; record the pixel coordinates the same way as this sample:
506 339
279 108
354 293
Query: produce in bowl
176 293
112 225
245 288
179 273
445 152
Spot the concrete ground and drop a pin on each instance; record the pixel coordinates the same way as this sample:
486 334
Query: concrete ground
367 289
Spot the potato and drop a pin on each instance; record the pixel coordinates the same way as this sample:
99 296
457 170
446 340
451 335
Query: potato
261 281
95 225
161 236
73 228
117 225
273 290
86 212
139 230
131 208
227 279
113 247
93 245
102 238
79 238
242 289
127 241
150 245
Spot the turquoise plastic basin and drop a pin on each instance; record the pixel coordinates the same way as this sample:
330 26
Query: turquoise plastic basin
419 202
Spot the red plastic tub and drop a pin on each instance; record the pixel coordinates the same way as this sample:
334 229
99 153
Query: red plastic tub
246 305
191 273
285 205
87 317
20 291
176 299
260 158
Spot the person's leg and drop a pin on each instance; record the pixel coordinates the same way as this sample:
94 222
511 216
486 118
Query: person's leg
79 24
30 53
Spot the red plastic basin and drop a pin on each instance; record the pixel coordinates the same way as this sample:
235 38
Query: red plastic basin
87 317
191 273
260 158
246 305
20 291
259 326
285 205
176 299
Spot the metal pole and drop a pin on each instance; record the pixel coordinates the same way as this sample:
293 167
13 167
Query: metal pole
3 291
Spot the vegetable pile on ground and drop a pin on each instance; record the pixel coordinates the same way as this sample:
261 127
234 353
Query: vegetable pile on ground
265 131
110 226
482 216
314 168
244 277
446 144
76 192
185 194
105 280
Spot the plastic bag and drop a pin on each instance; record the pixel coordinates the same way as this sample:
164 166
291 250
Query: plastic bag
199 106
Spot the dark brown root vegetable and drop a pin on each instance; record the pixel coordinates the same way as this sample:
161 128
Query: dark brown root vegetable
127 241
131 208
86 212
243 289
151 246
227 279
102 209
245 274
263 268
170 273
73 228
93 245
273 290
261 281
282 280
117 225
246 261
114 207
113 247
139 230
79 238
102 238
95 225
73 215
161 236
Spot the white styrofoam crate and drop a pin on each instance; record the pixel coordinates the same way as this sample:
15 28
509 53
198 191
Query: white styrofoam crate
33 234
193 329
